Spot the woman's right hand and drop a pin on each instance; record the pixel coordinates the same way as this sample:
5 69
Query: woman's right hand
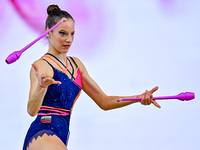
44 81
147 97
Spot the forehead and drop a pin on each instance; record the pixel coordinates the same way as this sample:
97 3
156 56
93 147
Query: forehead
68 25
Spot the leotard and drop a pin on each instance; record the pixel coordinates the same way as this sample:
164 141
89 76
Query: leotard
54 115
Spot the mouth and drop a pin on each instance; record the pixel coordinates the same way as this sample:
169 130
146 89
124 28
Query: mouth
66 46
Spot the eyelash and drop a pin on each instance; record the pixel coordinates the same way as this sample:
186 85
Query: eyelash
63 33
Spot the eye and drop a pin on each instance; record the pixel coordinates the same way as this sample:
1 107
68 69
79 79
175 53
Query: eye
62 33
73 33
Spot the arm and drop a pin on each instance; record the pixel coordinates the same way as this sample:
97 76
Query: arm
106 102
39 84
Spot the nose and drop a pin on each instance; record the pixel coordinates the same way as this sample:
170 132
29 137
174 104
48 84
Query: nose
69 39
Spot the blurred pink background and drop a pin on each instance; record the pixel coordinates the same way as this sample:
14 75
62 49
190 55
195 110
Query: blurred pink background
127 47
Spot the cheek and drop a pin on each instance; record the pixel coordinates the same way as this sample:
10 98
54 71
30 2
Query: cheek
72 38
59 39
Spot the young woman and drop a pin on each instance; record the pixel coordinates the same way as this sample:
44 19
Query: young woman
56 83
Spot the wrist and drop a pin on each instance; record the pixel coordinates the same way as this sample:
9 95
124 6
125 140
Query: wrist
139 96
41 85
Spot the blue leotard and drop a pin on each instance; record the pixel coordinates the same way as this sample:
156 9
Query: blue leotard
54 115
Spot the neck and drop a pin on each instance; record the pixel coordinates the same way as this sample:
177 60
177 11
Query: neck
60 56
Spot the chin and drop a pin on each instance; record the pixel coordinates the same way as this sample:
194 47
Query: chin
65 51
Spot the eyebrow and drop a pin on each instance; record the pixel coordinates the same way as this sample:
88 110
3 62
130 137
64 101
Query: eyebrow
65 31
62 30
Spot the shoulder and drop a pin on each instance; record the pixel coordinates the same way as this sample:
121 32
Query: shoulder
77 60
79 64
42 64
43 67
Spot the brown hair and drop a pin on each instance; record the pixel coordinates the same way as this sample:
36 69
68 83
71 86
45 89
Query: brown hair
55 14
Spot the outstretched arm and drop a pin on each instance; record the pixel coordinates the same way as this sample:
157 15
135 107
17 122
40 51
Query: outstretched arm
39 84
106 102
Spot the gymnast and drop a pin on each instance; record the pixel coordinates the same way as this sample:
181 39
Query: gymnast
56 83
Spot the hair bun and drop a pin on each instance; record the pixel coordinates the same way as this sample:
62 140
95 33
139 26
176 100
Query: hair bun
52 9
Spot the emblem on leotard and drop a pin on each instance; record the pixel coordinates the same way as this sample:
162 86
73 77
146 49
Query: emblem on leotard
46 119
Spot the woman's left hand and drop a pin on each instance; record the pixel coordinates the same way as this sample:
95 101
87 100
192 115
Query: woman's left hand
147 97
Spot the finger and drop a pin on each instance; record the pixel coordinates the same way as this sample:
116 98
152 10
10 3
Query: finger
56 82
49 80
146 100
142 100
156 104
45 81
43 76
145 96
63 19
52 81
35 67
36 70
119 99
150 99
154 89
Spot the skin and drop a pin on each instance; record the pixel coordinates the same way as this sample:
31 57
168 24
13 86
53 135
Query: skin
60 40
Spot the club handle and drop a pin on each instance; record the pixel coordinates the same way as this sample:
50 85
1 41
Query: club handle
154 98
41 36
182 96
16 54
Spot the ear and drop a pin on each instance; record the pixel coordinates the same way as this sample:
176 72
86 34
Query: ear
48 34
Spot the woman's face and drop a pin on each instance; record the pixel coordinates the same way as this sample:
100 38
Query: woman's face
61 38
